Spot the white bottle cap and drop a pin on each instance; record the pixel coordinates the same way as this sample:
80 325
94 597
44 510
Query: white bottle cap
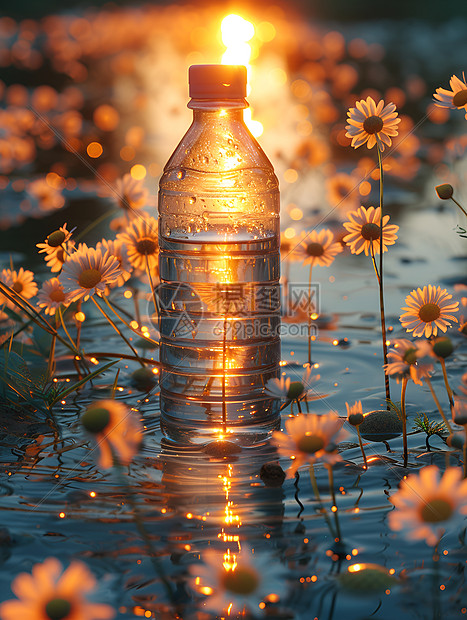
217 81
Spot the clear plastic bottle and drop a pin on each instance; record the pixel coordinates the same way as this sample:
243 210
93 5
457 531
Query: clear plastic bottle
219 267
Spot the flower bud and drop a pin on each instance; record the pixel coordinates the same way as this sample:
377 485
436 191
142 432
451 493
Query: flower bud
355 418
95 419
444 191
443 347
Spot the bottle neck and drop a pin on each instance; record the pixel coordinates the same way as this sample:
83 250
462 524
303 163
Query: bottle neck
232 108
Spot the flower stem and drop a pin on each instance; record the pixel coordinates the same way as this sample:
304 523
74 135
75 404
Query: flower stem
459 205
309 313
153 291
75 348
464 451
383 323
361 448
118 332
446 383
334 504
144 534
435 398
322 509
404 420
127 324
380 281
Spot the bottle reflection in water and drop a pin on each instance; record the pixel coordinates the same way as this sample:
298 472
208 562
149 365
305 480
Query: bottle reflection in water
219 267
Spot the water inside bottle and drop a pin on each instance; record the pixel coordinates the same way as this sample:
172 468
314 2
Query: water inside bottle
219 310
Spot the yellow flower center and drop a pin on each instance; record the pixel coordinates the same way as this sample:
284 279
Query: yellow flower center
410 356
373 124
436 510
310 443
56 238
17 286
146 245
371 231
89 278
95 419
429 312
460 99
241 581
58 609
57 295
314 249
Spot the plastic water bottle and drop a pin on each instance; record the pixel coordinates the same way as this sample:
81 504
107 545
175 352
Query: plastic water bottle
219 267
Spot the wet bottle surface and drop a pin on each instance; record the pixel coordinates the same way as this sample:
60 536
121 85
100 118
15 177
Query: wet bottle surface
219 300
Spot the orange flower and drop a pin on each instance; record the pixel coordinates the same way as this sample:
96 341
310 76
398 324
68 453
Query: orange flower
455 98
318 248
117 431
310 438
426 504
428 310
49 592
365 232
372 123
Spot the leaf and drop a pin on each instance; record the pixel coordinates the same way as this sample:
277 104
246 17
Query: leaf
84 380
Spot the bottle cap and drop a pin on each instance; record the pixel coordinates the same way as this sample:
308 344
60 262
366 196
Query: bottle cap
217 81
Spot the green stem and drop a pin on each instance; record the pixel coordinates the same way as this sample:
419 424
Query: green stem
404 420
334 504
383 323
299 406
51 362
148 271
75 348
459 205
435 398
144 534
361 448
118 331
309 313
464 451
380 281
111 307
322 509
446 383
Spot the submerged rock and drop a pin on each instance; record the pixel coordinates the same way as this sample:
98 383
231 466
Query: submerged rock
380 425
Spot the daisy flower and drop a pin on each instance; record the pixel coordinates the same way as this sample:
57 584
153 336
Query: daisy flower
236 581
21 282
129 193
354 413
52 296
428 310
286 389
310 438
87 272
57 247
115 429
454 98
364 231
55 240
405 361
50 593
140 239
118 250
371 123
427 504
318 248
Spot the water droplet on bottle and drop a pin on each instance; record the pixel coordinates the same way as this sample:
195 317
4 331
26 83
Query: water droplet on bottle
181 174
206 159
192 200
